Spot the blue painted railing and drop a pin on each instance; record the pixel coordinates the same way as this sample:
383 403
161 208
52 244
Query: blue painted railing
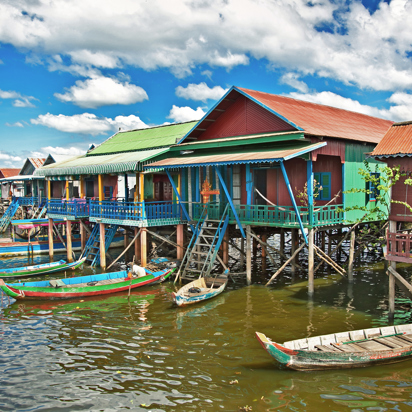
284 216
27 201
74 207
131 211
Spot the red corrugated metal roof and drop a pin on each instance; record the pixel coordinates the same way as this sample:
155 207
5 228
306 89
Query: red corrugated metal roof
37 161
9 172
320 120
397 141
250 157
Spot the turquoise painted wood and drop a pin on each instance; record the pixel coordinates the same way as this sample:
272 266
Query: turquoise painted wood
76 208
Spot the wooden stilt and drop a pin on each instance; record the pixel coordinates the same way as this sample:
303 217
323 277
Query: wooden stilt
351 254
255 243
323 240
69 241
248 257
242 252
83 236
392 265
143 247
180 242
293 249
225 247
264 238
136 244
50 236
102 246
282 240
311 263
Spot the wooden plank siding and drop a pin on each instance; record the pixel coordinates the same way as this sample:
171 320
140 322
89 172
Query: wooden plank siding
400 191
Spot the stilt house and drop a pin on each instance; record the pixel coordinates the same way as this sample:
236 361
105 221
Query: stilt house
274 162
395 149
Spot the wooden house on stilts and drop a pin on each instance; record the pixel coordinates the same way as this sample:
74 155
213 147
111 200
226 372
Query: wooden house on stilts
107 188
255 158
395 149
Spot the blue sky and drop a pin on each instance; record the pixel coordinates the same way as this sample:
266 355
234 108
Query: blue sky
73 72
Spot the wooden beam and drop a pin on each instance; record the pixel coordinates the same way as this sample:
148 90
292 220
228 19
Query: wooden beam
50 236
286 263
400 279
126 249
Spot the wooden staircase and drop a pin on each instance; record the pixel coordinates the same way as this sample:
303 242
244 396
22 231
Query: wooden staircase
200 257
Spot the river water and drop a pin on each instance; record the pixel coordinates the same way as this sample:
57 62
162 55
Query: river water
143 354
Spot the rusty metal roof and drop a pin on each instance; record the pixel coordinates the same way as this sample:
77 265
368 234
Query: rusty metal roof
320 120
235 158
5 172
36 161
396 142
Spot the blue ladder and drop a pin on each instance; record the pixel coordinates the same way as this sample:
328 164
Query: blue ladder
92 249
9 214
209 237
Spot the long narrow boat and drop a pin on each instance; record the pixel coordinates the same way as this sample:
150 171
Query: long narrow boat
343 350
82 286
41 269
21 248
200 289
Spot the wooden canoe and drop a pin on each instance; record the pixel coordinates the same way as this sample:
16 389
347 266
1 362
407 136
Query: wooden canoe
93 285
199 290
353 349
42 269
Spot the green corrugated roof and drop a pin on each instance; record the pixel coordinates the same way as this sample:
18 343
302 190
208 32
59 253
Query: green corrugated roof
111 163
142 139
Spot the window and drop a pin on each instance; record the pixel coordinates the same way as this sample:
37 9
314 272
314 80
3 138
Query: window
373 187
108 192
323 185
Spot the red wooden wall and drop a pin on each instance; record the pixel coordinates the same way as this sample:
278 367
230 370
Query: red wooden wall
401 192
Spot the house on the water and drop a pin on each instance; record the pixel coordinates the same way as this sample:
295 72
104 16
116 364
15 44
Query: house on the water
395 149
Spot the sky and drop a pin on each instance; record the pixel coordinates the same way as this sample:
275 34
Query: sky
72 72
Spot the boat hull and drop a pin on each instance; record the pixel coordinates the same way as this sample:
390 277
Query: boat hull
303 360
43 290
9 249
42 269
183 298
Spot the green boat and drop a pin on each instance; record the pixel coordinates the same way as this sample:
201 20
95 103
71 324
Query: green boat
352 349
82 286
42 269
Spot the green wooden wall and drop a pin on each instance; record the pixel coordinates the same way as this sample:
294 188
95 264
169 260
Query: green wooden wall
355 154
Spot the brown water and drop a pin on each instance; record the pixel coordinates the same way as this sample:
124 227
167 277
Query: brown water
143 354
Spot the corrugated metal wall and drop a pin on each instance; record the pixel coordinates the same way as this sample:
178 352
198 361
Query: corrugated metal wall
244 117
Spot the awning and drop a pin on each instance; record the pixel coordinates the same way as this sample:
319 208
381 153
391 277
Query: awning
20 178
235 158
104 164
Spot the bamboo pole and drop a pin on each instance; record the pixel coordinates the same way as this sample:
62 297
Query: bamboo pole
329 261
124 251
248 256
166 240
351 254
286 263
263 245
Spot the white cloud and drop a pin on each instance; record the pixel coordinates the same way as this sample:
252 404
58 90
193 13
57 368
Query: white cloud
400 104
102 91
20 100
16 124
6 157
370 50
57 150
87 123
185 114
292 79
200 92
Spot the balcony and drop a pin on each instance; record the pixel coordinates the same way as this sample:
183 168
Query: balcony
144 214
71 209
276 216
399 247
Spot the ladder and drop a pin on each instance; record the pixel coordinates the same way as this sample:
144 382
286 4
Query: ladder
92 249
204 246
9 214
